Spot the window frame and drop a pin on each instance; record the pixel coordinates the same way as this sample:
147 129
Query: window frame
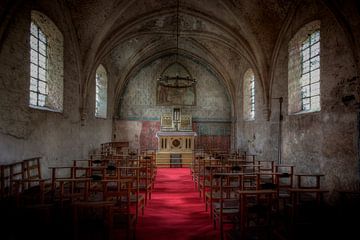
249 95
37 80
252 98
101 75
297 77
46 64
308 45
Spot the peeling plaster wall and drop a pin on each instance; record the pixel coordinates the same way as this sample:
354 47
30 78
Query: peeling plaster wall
320 142
324 142
253 135
139 99
26 132
139 105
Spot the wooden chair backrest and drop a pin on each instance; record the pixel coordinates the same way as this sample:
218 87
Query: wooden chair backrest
9 172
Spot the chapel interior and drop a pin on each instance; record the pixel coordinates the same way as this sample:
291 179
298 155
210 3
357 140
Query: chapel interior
243 114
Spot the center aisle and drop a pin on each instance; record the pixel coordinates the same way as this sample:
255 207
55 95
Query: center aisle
175 210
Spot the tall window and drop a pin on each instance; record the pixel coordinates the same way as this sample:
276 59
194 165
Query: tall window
252 97
310 72
46 64
38 66
101 92
304 70
249 95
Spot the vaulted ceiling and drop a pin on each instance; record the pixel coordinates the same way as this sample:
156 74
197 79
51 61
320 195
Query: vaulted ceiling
226 36
221 34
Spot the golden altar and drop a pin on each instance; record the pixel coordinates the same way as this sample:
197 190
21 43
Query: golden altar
175 140
175 149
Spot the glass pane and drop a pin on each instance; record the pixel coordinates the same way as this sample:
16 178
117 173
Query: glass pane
34 56
315 89
305 79
42 87
252 115
315 76
305 67
306 104
33 29
33 70
315 36
305 44
41 100
42 61
33 98
102 89
306 107
315 62
315 103
315 49
33 85
33 42
42 74
42 36
101 81
305 91
105 83
100 98
305 54
33 88
42 48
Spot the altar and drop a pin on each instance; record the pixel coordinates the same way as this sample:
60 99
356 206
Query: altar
175 141
175 149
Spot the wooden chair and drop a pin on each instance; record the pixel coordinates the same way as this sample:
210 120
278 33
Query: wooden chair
146 179
23 199
196 171
212 195
285 181
266 168
69 184
107 212
9 173
256 208
307 203
114 148
226 209
122 216
137 199
32 188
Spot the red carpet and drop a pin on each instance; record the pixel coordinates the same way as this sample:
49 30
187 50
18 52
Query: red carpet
175 210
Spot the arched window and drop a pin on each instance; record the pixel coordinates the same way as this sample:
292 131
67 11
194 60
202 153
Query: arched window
101 92
304 70
46 64
249 95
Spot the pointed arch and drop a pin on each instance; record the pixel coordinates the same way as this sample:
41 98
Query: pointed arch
46 64
304 70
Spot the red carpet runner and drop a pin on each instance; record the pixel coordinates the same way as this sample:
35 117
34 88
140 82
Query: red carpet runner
175 211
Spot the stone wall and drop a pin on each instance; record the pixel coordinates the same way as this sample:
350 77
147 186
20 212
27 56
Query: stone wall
58 137
228 36
320 142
